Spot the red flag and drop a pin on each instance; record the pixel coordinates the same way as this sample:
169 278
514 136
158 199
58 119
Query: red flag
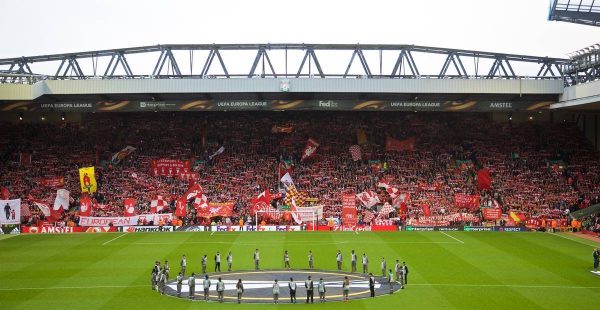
200 203
484 181
310 149
129 204
297 217
194 191
394 145
181 207
85 206
426 210
44 207
4 193
262 202
368 198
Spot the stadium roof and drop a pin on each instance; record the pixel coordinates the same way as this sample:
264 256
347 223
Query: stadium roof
586 12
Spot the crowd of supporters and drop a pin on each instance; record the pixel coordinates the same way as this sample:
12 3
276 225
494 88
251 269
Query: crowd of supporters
542 169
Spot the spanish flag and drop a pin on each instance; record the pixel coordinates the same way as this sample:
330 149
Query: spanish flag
87 179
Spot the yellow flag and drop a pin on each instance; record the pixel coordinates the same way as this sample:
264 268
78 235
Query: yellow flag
361 136
87 180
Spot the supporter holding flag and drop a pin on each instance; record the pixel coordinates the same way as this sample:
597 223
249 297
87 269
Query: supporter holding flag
310 149
129 205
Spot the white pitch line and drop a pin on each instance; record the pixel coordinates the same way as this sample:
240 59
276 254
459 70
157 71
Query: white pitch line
504 285
296 242
452 237
113 239
67 287
574 240
409 285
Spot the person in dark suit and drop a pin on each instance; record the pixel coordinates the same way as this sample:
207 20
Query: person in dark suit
405 272
372 284
596 256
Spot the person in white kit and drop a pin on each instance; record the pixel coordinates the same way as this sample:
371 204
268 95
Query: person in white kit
256 259
353 260
206 286
338 259
383 267
276 292
286 260
229 261
365 263
218 262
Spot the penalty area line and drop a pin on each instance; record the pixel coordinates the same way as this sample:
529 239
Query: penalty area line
113 239
452 237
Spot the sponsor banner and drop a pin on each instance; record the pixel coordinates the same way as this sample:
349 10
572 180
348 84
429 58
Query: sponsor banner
478 228
107 221
50 230
510 228
169 167
11 211
492 213
147 228
100 229
190 228
52 182
267 228
434 228
10 229
257 105
349 209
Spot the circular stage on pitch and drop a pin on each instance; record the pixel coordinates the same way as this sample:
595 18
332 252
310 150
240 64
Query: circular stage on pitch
258 285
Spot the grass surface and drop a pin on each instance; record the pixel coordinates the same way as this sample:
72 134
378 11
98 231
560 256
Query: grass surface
463 270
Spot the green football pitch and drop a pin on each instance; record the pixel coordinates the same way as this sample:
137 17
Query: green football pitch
464 270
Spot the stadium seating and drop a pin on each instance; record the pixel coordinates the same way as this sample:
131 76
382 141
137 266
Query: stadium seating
538 168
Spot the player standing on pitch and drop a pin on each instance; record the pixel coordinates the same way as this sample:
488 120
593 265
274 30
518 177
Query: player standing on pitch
596 256
220 289
179 284
338 259
286 260
383 266
353 260
229 261
292 287
256 259
206 286
203 262
240 290
372 284
275 292
322 290
183 265
405 272
192 285
346 288
309 290
365 263
311 264
218 262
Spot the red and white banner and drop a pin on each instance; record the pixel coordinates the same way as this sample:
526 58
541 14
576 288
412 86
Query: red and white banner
181 207
368 198
155 218
107 221
355 152
189 176
216 209
262 202
85 206
44 207
386 210
349 216
466 201
394 145
200 203
52 182
124 221
310 149
129 206
492 213
157 204
193 191
169 167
